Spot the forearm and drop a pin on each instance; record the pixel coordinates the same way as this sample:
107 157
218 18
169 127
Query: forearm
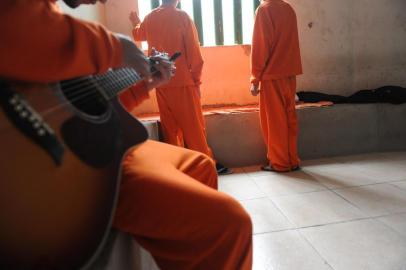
134 96
257 67
260 51
261 45
196 72
193 54
139 33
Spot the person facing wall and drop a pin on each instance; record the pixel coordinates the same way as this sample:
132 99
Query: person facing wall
171 30
275 63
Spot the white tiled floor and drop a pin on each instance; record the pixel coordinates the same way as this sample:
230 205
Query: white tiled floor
339 213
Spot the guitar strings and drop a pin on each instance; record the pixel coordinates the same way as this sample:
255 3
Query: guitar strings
91 94
109 85
85 94
92 81
107 74
129 74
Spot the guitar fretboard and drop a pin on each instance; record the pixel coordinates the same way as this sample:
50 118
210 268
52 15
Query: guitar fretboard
114 81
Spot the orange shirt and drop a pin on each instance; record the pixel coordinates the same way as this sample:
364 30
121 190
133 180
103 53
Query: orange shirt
171 30
275 49
40 44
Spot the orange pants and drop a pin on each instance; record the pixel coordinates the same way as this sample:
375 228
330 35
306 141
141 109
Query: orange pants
279 122
182 118
169 203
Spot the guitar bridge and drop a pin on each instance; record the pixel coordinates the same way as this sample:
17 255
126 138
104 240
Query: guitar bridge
30 123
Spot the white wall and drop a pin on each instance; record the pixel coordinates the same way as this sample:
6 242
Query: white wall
346 45
379 43
117 12
352 45
94 13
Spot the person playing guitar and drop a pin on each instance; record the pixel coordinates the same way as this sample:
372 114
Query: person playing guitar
73 162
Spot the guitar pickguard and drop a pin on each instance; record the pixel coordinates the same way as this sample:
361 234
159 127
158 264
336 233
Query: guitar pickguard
96 144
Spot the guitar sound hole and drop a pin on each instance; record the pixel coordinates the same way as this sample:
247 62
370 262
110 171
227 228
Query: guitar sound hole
84 96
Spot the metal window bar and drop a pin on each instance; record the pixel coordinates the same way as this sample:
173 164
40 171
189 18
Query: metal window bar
237 22
197 15
218 22
155 4
218 19
256 5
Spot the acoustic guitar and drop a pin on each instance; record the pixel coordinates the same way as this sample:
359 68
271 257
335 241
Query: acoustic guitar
61 146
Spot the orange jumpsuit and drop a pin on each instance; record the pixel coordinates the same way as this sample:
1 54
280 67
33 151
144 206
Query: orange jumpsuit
275 62
171 30
168 198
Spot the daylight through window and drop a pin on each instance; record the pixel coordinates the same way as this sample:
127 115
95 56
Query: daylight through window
218 22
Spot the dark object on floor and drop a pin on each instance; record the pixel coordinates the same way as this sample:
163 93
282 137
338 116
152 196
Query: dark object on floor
384 94
222 170
313 97
268 168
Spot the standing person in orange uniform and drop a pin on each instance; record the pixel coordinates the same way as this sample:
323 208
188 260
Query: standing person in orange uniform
169 29
168 199
275 62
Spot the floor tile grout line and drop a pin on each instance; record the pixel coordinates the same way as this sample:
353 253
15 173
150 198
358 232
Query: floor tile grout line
356 206
330 188
298 193
279 210
318 225
396 181
367 215
365 185
315 249
391 228
263 195
345 187
351 203
337 160
251 199
401 189
331 223
310 172
293 194
282 212
297 227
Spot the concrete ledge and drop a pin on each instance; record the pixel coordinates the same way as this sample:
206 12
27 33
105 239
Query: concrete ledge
236 139
391 127
344 129
338 130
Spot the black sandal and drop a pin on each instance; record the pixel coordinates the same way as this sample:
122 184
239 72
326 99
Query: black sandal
222 170
268 168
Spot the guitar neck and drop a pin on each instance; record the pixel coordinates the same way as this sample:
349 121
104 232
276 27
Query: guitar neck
115 81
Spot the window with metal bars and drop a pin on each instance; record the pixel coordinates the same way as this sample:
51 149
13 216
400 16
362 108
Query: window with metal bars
218 22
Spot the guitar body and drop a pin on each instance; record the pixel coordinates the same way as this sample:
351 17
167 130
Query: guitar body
56 206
